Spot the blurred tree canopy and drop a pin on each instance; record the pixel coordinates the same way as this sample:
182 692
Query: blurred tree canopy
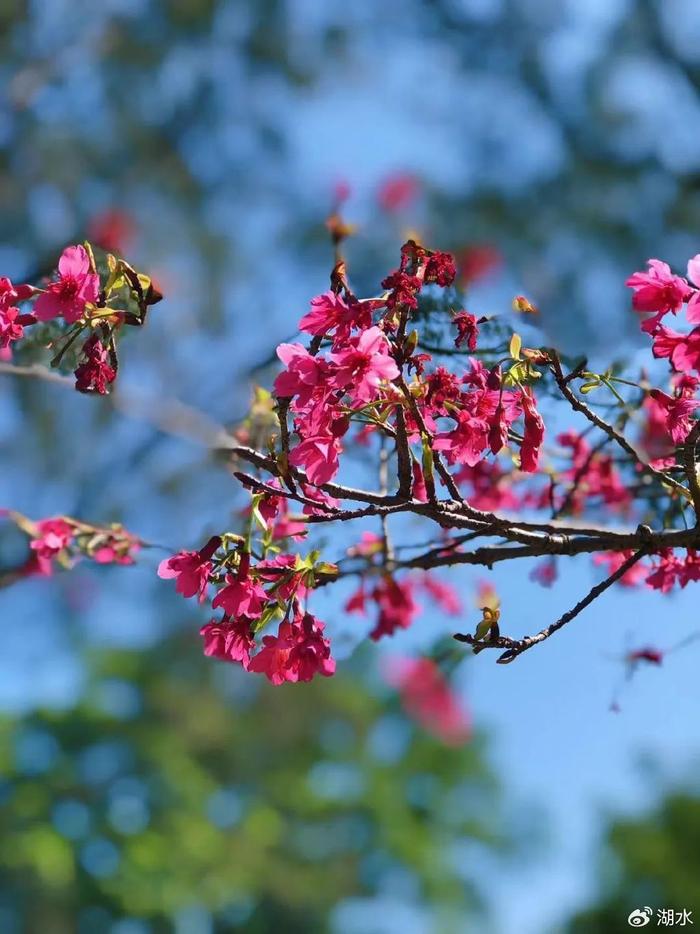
650 860
161 792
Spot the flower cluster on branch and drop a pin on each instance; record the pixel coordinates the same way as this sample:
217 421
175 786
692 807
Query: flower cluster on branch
448 407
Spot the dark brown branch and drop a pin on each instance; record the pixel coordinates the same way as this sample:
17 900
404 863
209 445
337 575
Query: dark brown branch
515 647
580 406
691 468
524 644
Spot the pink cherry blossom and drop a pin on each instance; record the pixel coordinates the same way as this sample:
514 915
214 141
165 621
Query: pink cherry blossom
466 443
53 536
467 330
677 414
397 191
228 640
444 595
190 569
330 312
297 653
658 290
682 350
693 309
10 327
76 285
304 374
318 457
241 597
545 572
363 365
397 608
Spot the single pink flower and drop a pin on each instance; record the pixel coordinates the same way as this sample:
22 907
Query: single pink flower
477 261
113 230
303 375
545 572
191 570
466 443
363 365
444 595
330 312
419 490
241 598
53 536
10 327
318 456
228 640
357 601
658 290
440 269
76 285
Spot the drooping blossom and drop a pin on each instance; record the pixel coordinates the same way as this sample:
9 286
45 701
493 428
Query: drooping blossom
116 548
613 561
534 433
95 373
190 569
476 261
318 456
76 285
397 607
683 350
428 699
419 490
677 414
440 269
241 597
297 653
10 327
403 289
466 443
592 475
467 330
444 595
230 640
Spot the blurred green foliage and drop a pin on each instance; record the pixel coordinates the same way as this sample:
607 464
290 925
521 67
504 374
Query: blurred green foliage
265 807
650 860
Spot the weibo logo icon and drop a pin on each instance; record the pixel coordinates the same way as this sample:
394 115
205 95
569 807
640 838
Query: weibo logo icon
640 917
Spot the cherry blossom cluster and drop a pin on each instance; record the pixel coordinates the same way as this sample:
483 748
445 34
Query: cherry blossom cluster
62 541
86 305
252 594
445 407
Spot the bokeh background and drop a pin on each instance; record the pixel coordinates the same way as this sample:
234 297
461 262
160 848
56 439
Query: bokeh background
553 146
